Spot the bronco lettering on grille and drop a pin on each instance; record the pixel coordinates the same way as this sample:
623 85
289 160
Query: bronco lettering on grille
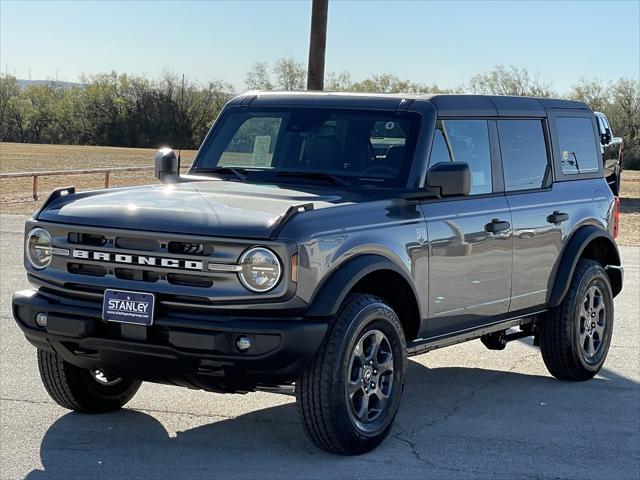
139 260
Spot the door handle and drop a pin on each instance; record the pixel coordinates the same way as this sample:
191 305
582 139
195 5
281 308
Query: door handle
557 217
496 225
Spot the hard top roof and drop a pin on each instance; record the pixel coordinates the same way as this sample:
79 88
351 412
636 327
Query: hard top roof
446 104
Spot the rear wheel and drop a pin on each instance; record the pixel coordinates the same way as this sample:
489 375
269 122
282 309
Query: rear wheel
348 397
89 391
575 336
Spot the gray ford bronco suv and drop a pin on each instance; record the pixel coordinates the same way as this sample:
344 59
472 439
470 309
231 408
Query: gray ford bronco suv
317 241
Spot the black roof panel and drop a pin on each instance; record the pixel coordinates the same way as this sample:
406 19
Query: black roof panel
463 105
447 105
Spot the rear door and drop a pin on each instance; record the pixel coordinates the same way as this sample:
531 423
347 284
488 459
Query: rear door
469 237
537 208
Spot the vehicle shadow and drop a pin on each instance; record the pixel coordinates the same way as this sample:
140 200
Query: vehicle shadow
629 205
453 422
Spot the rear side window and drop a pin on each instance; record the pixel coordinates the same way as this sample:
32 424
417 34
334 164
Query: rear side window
465 141
524 154
578 153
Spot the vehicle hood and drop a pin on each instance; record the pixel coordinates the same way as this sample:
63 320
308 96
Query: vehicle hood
210 207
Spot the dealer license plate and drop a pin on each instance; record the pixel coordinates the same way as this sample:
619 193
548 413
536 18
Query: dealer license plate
128 307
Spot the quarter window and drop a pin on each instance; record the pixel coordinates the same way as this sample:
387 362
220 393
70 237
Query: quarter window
578 153
465 141
524 154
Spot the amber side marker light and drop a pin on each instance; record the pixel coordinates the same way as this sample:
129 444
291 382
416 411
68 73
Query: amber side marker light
294 268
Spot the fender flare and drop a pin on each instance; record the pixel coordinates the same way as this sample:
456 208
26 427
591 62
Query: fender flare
571 254
332 292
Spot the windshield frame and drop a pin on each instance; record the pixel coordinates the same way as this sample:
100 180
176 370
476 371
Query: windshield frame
258 174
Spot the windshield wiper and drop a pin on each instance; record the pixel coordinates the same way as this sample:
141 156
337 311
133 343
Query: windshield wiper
336 180
239 172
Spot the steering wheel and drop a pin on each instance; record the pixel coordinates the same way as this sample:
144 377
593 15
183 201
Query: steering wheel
382 169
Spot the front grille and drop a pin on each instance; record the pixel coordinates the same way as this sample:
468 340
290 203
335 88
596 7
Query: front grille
125 263
182 271
174 268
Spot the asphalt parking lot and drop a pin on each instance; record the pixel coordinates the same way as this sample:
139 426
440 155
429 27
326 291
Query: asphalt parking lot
467 413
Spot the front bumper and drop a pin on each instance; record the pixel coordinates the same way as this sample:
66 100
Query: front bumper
194 351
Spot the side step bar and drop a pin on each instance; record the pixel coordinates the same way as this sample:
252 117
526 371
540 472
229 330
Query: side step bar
423 345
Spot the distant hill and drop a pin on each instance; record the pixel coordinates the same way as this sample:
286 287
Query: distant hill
25 83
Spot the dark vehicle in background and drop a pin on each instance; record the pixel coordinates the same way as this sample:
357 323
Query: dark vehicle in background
612 153
321 239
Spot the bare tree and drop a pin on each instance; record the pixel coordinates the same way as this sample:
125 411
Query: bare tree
290 75
592 92
624 116
339 82
258 77
509 81
9 94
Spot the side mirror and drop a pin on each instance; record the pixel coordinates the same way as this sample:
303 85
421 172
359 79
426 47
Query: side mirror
452 178
166 164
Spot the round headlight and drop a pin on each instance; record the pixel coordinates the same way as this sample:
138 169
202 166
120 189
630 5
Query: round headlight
261 269
38 248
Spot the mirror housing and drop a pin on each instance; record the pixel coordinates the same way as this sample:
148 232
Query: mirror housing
166 164
452 178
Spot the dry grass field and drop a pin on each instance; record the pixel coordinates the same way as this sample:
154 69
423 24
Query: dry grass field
15 194
630 208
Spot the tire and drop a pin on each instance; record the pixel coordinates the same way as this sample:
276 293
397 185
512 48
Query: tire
573 349
79 389
361 363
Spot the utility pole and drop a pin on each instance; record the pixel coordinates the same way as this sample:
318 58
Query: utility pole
317 44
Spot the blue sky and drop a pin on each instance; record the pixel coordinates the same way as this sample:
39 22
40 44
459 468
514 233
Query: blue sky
428 42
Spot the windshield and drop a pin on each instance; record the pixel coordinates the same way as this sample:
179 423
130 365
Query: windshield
311 145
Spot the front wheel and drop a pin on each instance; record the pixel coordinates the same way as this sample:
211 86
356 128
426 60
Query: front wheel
575 336
88 391
349 396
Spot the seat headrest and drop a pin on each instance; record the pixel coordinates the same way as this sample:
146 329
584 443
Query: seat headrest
323 131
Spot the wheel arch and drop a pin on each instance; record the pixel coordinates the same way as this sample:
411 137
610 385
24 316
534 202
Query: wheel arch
591 242
372 274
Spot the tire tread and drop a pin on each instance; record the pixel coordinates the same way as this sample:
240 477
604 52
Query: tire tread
556 331
313 386
70 386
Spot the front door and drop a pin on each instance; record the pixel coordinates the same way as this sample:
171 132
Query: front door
469 237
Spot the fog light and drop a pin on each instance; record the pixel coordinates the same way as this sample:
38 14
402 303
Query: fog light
41 319
243 343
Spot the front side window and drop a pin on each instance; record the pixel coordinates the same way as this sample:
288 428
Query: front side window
524 154
578 153
369 148
465 141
